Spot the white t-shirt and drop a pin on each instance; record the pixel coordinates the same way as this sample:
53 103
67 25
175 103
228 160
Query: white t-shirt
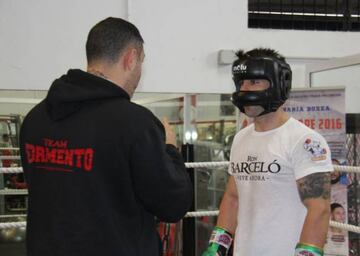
265 166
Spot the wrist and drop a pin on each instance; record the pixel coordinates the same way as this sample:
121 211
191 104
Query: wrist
222 237
220 243
308 249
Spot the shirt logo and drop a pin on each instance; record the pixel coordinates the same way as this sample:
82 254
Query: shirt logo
253 169
55 155
314 148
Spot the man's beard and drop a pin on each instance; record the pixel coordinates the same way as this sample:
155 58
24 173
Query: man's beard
253 111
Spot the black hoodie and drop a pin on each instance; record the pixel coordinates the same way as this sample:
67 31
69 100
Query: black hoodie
98 172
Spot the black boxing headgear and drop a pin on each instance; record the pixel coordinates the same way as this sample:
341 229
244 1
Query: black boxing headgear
274 70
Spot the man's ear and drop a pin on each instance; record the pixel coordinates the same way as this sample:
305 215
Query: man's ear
130 59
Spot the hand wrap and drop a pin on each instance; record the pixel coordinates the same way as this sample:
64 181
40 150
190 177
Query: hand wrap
219 244
308 250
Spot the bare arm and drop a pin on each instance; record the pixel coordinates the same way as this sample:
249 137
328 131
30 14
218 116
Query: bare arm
227 218
314 191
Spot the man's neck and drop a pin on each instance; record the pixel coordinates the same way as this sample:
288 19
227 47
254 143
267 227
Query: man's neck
97 72
270 121
109 74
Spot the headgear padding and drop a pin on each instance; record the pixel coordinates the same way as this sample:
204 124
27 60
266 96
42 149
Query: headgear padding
277 72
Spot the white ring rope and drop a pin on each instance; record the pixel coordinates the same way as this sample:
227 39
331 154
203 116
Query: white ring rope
340 168
201 214
7 225
13 216
334 224
206 164
343 226
13 191
11 170
343 168
10 149
9 157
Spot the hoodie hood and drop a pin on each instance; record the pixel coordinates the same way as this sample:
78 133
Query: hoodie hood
68 93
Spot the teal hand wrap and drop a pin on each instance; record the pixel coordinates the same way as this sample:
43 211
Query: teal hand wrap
212 250
219 244
308 250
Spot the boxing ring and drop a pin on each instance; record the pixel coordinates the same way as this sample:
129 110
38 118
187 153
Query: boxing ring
195 165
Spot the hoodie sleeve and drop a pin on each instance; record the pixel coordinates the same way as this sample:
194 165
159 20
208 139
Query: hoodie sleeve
159 176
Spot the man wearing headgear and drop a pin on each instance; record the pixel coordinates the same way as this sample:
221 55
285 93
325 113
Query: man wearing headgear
277 198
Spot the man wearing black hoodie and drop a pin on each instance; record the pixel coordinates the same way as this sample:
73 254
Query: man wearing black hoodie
99 167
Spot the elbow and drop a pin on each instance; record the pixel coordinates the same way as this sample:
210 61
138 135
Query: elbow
174 214
177 208
172 218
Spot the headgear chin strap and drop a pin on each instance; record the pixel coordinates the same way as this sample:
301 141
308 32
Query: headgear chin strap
277 72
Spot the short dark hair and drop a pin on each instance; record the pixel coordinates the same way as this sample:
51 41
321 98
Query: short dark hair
108 38
333 206
260 52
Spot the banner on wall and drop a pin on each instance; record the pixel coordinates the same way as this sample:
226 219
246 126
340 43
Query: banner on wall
320 109
324 111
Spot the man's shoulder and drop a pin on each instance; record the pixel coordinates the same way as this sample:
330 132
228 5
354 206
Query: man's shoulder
35 111
297 128
305 137
244 132
133 109
142 111
140 114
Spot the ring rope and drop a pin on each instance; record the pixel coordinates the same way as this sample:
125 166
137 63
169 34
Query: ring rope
9 157
12 216
343 226
334 224
343 168
11 170
206 164
13 191
202 213
8 148
7 225
340 168
2 148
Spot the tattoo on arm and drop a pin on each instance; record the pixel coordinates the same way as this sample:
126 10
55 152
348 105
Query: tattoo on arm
315 185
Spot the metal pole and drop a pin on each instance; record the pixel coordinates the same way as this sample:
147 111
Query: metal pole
189 237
